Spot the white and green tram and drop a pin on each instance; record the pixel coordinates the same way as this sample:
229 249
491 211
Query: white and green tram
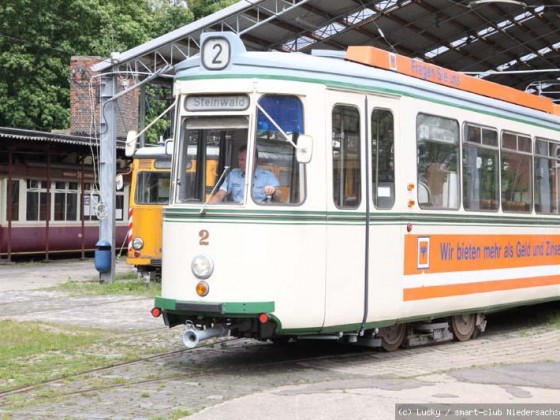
409 200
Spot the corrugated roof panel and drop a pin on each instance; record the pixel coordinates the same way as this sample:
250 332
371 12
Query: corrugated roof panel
449 33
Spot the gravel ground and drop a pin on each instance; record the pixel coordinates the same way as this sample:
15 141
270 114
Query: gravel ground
517 359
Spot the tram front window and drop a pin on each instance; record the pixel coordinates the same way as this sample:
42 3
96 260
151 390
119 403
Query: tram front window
152 188
207 152
215 154
279 116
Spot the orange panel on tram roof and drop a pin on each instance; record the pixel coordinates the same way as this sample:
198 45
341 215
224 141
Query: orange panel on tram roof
377 57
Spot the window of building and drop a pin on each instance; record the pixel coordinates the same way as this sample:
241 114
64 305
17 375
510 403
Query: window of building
66 200
91 201
36 200
61 203
13 201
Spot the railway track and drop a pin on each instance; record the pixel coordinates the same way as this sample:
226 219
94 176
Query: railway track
35 386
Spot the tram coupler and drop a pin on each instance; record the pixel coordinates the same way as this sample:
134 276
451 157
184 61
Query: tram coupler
192 336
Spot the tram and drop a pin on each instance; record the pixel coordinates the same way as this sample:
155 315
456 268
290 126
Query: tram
151 168
409 200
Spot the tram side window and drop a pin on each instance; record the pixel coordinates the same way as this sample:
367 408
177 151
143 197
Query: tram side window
547 176
480 168
516 173
382 156
437 141
346 156
274 152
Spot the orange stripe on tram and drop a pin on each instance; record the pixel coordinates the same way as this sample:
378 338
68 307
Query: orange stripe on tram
431 292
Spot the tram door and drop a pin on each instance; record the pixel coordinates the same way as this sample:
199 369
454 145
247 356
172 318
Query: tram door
386 234
345 210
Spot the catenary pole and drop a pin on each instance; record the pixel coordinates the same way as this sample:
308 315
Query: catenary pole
108 169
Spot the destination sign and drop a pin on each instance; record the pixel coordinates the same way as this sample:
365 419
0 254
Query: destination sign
217 103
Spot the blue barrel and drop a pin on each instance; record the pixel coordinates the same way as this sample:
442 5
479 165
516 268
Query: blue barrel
103 256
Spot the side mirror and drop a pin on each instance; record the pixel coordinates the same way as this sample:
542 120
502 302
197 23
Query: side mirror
304 148
119 182
169 147
130 144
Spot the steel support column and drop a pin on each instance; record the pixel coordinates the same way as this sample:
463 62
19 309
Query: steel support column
108 169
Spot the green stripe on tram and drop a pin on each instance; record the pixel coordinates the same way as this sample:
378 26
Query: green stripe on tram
368 89
228 308
272 217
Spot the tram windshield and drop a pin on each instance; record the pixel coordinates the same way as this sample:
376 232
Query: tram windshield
152 188
206 153
214 157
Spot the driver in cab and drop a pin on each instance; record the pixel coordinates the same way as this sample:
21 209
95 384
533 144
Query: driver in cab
264 187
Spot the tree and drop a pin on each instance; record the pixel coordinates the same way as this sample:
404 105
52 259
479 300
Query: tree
202 8
37 39
170 15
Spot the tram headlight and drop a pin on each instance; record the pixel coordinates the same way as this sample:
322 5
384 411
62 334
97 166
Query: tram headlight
202 266
137 244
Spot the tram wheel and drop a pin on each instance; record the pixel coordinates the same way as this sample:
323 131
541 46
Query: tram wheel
392 337
463 326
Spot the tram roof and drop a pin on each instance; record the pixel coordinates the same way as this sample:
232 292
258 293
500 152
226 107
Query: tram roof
509 42
151 152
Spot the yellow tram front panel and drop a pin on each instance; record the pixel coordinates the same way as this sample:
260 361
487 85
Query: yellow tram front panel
149 193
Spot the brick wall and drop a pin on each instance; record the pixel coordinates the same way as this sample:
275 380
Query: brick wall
84 100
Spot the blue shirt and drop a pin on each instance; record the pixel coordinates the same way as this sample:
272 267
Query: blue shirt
235 183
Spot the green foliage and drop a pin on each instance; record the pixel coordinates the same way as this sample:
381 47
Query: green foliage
133 287
39 37
201 8
158 98
32 66
33 352
170 15
37 40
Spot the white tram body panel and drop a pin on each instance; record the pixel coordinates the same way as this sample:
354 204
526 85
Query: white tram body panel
257 258
373 255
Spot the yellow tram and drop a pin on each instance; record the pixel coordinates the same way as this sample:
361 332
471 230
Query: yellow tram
151 168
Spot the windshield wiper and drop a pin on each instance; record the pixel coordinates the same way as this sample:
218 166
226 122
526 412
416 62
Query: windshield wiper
203 209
